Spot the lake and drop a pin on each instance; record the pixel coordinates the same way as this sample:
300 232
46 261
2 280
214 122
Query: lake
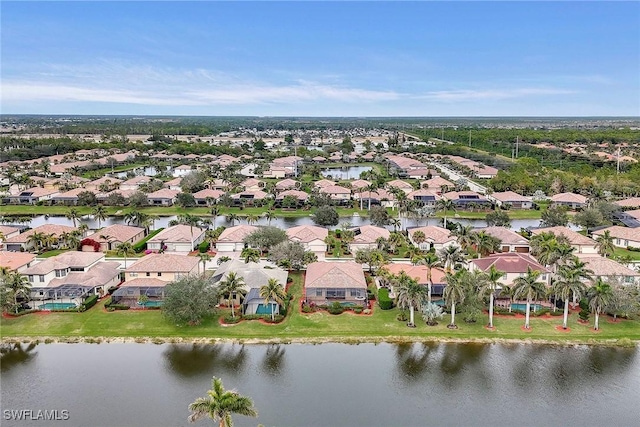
345 172
329 384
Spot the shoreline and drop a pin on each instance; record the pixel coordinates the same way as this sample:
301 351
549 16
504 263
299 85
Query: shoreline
622 343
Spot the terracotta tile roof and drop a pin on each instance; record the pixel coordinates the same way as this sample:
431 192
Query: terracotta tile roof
634 213
619 232
203 194
136 180
437 183
434 234
163 193
286 184
117 233
335 189
418 272
506 236
38 192
511 262
105 180
569 198
144 282
236 234
368 234
177 233
360 183
335 275
509 196
605 266
574 238
633 202
298 194
170 263
399 184
98 275
54 229
307 233
323 183
424 193
69 259
15 260
6 230
257 194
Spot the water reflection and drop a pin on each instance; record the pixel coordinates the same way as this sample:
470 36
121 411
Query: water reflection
13 354
413 360
274 360
192 360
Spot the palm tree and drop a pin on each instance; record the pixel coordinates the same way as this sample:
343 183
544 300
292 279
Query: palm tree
599 296
36 239
73 215
273 291
454 292
395 240
251 219
418 237
18 286
204 257
451 256
485 243
528 287
445 205
410 293
605 244
370 188
488 285
220 404
269 215
233 284
215 211
464 235
250 255
99 213
232 218
396 224
569 283
125 249
431 261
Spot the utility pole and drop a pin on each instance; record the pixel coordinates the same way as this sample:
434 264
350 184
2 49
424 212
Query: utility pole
618 161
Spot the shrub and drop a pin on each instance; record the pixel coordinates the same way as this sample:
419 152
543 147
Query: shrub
308 308
112 289
584 315
89 302
584 304
118 307
402 317
335 308
229 319
203 247
370 295
384 301
358 309
633 249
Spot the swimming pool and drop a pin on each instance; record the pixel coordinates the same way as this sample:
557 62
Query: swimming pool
57 306
151 304
523 307
265 309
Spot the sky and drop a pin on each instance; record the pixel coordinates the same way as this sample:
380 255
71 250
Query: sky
430 59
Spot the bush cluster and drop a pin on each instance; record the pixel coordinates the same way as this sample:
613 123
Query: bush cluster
89 302
335 308
384 301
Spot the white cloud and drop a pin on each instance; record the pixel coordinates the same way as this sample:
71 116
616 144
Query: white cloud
492 94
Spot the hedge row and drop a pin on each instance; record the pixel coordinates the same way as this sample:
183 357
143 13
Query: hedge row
384 301
89 302
142 244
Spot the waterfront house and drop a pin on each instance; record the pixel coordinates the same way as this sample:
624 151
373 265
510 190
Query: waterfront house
435 238
178 238
630 203
424 197
366 236
337 193
570 200
21 241
114 235
510 199
32 196
466 199
420 274
510 241
608 269
165 267
400 185
300 196
16 261
207 197
163 197
513 265
326 282
7 232
311 237
69 198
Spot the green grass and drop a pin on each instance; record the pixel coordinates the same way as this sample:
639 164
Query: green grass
622 252
52 253
382 325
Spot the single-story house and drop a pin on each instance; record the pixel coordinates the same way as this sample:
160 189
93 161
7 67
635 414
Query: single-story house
130 291
435 238
606 268
511 199
16 261
252 184
571 200
366 236
300 196
462 199
182 171
420 273
250 196
323 183
311 237
32 196
21 241
336 192
134 183
630 203
286 184
103 184
254 275
7 232
326 282
207 197
166 267
380 197
163 197
439 184
510 241
513 265
424 197
623 236
400 185
112 236
232 238
583 244
178 238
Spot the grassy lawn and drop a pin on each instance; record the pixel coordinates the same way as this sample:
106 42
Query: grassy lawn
54 252
382 325
622 252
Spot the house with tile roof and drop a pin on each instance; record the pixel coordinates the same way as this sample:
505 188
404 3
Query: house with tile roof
420 273
163 197
624 237
581 243
366 236
6 232
21 241
114 235
609 269
16 261
438 184
327 282
232 239
31 196
510 241
513 265
511 199
630 203
178 238
207 197
436 238
337 193
570 200
311 237
166 267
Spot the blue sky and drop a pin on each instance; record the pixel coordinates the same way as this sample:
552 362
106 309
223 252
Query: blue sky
321 58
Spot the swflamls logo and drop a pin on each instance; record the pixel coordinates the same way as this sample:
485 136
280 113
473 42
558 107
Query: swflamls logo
35 415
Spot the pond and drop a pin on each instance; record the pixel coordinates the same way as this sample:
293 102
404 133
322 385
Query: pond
148 171
329 384
345 172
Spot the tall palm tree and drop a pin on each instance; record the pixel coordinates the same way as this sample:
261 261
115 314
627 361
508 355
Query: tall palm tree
36 239
232 218
489 285
273 291
431 261
269 215
464 235
100 214
485 243
73 215
370 188
528 287
204 257
233 284
215 211
445 205
599 296
451 256
251 219
125 249
570 283
418 237
220 404
18 286
605 244
454 292
409 294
